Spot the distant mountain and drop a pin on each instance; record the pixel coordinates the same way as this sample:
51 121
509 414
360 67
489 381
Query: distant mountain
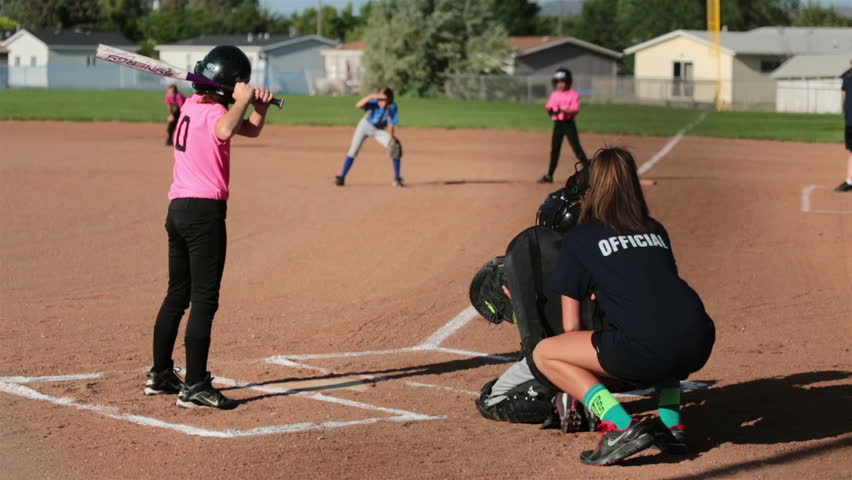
569 7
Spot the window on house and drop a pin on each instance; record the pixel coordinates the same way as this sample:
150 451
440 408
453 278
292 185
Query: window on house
768 66
17 61
33 61
682 81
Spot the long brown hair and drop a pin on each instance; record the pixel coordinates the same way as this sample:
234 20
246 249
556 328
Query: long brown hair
614 196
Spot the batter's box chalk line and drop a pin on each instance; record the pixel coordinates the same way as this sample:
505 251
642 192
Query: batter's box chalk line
807 205
19 386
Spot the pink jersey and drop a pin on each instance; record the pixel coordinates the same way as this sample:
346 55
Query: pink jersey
177 99
202 161
563 100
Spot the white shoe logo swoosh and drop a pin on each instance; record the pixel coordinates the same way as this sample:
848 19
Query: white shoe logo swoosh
611 442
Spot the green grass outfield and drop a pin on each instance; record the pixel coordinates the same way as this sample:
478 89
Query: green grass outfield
132 106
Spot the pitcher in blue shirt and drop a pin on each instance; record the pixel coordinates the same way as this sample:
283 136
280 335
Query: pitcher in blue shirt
379 122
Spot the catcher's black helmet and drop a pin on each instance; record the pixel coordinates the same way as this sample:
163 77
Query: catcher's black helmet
225 64
562 75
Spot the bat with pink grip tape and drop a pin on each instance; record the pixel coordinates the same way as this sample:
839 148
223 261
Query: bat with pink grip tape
163 69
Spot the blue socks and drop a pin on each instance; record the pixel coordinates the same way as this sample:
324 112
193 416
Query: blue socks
396 166
601 402
347 164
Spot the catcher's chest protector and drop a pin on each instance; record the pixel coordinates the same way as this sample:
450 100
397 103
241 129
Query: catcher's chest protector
530 261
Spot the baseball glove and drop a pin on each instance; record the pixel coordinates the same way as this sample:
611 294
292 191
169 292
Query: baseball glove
395 149
486 292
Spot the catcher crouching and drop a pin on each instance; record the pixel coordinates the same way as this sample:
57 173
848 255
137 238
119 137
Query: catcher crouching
594 319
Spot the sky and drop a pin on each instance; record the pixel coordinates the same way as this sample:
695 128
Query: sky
287 7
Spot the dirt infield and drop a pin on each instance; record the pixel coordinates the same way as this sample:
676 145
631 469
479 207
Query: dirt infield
317 275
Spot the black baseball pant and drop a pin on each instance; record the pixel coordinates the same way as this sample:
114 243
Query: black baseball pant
197 247
564 129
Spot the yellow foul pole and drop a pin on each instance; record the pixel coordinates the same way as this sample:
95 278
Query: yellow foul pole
714 31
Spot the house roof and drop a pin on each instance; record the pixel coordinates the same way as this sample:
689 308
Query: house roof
521 45
814 66
71 38
783 41
529 45
262 40
356 45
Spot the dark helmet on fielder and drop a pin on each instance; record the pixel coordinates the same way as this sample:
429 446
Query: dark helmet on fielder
227 65
562 75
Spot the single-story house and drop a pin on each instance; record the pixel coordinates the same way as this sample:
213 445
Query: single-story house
284 63
42 58
680 66
531 56
811 83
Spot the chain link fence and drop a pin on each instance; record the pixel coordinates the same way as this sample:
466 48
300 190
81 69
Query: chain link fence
819 96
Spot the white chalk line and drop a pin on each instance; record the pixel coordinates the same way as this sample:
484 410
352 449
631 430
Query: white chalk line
53 378
440 387
806 202
670 144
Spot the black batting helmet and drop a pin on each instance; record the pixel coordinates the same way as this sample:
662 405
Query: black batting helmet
227 65
562 75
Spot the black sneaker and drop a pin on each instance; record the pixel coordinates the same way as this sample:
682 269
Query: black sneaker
545 179
670 440
163 383
616 445
843 187
397 182
339 181
203 395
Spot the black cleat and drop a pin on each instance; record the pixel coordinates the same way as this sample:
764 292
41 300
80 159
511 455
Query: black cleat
843 187
203 395
339 181
670 440
545 179
616 445
573 415
397 182
163 383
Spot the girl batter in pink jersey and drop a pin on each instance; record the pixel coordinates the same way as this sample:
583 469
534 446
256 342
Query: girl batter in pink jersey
563 107
174 100
196 221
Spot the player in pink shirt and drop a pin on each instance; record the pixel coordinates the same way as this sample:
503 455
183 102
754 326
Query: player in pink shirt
174 100
196 221
563 106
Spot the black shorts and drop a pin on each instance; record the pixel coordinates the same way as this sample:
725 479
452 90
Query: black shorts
628 360
849 137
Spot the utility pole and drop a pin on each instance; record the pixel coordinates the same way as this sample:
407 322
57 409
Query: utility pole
561 14
319 17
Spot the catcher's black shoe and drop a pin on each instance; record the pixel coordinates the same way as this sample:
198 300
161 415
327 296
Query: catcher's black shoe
843 187
203 395
545 179
671 439
339 181
397 182
163 383
616 445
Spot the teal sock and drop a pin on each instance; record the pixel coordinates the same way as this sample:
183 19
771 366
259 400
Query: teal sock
669 404
601 402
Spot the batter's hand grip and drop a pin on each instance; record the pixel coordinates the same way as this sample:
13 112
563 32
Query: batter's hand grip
278 102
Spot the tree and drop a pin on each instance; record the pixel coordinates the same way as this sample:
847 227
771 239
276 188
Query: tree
412 45
122 15
7 23
520 17
743 15
814 15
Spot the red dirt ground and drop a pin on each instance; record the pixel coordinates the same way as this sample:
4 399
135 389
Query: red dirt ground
313 269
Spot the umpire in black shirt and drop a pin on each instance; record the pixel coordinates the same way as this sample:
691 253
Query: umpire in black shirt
658 331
